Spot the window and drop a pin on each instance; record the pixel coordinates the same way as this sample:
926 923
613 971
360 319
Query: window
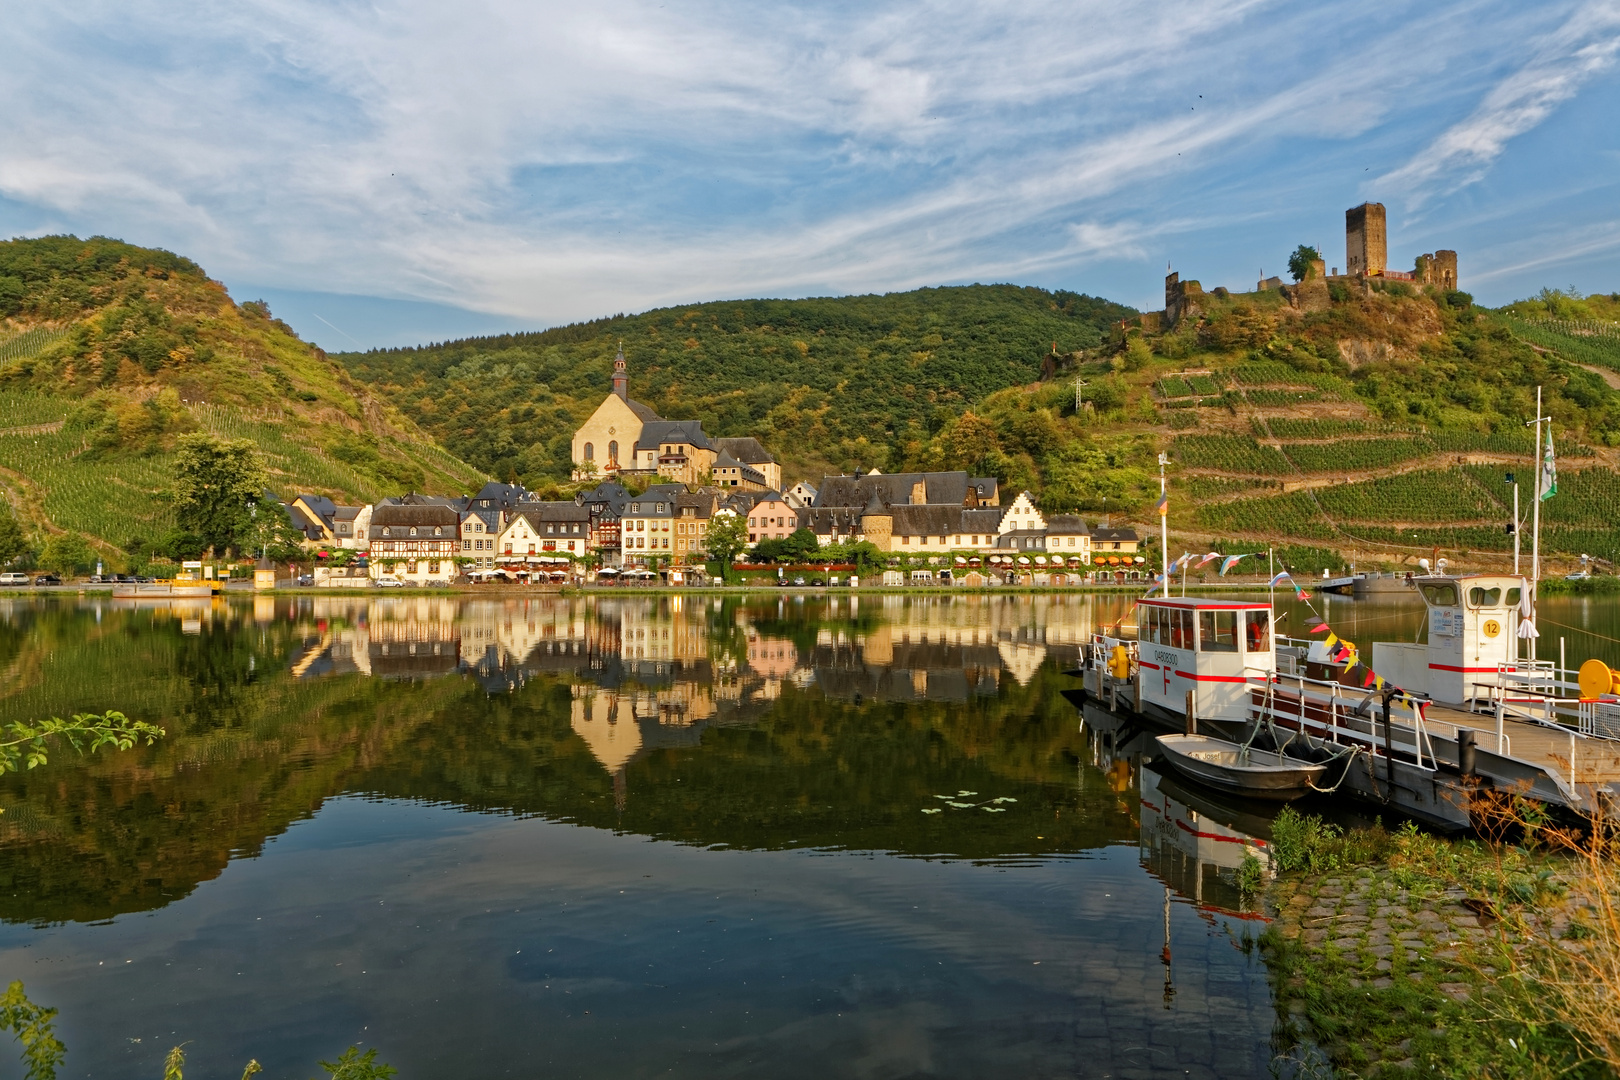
1217 631
1513 598
413 530
1484 597
590 452
1258 636
1440 595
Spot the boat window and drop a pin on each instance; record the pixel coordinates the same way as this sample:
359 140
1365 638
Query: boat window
1484 597
1513 598
1217 631
1147 628
1440 595
1181 631
1258 625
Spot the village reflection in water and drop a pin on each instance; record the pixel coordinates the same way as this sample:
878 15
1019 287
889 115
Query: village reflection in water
810 806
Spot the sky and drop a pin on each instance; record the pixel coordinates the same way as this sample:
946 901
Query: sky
394 172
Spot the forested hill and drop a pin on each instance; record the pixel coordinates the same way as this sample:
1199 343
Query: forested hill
108 352
826 383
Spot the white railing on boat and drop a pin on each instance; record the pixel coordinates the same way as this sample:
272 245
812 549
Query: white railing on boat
1343 705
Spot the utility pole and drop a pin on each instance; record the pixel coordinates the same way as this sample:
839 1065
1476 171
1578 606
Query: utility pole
1078 400
1164 524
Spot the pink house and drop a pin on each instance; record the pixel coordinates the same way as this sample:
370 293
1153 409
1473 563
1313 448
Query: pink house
771 519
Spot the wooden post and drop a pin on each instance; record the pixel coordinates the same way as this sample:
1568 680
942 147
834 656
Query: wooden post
1192 717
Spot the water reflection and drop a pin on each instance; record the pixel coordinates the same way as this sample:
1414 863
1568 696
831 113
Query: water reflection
761 835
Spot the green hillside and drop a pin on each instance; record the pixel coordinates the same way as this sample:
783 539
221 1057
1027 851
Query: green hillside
1379 426
826 383
108 352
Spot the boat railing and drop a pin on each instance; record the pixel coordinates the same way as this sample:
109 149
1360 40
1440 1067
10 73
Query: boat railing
1346 716
1599 719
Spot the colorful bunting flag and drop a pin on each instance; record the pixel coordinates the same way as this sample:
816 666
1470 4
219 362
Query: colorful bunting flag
1279 577
1231 561
1207 559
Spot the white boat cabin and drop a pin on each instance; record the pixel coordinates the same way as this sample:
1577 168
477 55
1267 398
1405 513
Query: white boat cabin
1211 647
1473 620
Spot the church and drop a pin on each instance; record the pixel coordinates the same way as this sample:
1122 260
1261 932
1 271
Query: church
625 436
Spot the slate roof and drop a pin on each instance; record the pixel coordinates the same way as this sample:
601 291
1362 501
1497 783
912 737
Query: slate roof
645 504
537 512
983 520
655 432
323 507
822 520
939 489
301 521
643 412
1107 535
747 450
499 496
418 514
347 513
1067 525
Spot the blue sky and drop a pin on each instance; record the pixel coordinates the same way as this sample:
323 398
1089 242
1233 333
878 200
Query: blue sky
396 171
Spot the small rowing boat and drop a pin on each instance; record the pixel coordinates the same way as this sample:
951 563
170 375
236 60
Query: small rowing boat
1259 774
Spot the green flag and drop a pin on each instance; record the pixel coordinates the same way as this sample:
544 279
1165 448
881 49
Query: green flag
1549 469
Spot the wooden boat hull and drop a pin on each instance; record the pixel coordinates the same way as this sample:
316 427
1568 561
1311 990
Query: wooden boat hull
1225 766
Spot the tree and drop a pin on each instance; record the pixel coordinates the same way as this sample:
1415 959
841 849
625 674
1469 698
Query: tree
216 480
1299 263
13 544
728 538
66 553
801 546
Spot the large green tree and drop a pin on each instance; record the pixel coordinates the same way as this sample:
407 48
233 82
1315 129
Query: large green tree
13 542
67 553
728 538
215 482
1299 263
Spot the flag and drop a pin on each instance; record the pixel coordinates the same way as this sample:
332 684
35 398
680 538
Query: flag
1279 577
1331 640
1164 503
1371 678
1319 627
1207 559
1231 561
1549 469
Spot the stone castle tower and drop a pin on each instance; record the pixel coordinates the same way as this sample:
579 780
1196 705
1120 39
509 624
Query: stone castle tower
1366 240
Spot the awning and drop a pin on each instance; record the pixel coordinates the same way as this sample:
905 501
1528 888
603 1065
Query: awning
1023 560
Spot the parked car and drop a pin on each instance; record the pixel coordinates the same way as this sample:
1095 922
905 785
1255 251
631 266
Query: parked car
47 579
817 581
145 579
386 582
798 581
13 578
123 579
305 579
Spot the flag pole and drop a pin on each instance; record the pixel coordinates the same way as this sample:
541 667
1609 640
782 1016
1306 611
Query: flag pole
1164 524
1540 460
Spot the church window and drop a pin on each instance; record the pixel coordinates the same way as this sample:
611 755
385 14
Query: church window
590 452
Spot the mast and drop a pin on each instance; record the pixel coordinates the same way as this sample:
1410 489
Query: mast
1535 532
1164 523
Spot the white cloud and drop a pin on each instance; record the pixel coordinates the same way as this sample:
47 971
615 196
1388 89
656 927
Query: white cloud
556 161
1560 64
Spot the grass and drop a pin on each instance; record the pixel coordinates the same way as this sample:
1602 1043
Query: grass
1403 954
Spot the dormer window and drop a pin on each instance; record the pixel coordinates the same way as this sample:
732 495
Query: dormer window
413 530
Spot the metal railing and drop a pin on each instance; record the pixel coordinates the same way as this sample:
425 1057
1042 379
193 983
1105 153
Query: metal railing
1344 716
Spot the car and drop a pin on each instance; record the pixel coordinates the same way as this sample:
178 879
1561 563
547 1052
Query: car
123 579
386 582
817 581
798 581
13 578
145 579
1579 576
305 579
47 579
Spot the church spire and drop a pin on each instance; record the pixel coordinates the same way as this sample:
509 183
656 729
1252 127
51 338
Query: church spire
621 377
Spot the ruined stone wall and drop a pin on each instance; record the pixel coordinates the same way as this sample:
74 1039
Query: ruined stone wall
1180 299
1439 269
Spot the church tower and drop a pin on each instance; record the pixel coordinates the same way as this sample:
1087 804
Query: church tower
621 377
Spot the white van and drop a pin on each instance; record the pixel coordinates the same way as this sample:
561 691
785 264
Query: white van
13 578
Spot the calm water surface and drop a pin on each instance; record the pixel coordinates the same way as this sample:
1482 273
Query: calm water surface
774 836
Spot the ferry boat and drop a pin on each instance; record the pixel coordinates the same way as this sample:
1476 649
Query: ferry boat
1470 716
183 584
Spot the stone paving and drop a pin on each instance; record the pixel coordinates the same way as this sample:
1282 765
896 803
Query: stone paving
1361 926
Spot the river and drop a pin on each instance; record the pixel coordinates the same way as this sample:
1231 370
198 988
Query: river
772 835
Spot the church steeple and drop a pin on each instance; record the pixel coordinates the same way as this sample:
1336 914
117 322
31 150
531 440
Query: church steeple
621 377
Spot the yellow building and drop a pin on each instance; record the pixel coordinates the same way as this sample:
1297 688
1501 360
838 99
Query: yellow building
606 442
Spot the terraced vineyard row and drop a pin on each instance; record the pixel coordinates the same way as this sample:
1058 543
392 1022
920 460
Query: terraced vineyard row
29 343
1292 515
1228 453
1437 495
1580 342
26 410
114 498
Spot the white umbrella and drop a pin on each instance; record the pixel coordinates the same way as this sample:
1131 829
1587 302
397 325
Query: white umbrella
1023 560
1040 560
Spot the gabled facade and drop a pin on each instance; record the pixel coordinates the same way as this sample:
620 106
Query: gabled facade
1069 536
417 542
606 442
800 495
349 526
480 529
545 530
647 528
750 453
1114 541
1023 515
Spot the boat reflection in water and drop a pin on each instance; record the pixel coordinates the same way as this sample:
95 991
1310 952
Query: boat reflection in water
1193 839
